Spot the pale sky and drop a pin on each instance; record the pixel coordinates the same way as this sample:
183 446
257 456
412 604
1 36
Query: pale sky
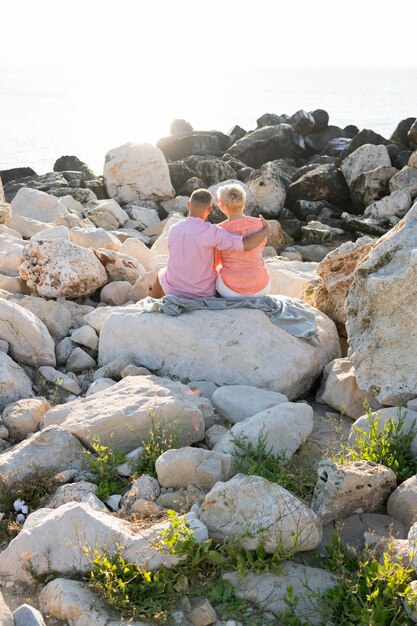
181 37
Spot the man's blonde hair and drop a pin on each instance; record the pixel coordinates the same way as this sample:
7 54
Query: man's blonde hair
232 196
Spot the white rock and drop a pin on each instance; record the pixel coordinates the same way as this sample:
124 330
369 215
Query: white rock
402 503
80 361
381 315
143 489
100 385
94 238
202 613
365 158
6 617
59 316
137 249
410 601
66 381
107 214
184 466
79 527
22 417
214 434
412 542
28 337
37 205
85 336
237 347
238 402
159 250
144 216
120 266
268 188
381 417
116 293
26 615
204 388
289 278
257 512
285 428
14 383
123 414
396 204
98 316
343 489
54 232
53 448
60 268
71 492
404 179
71 204
10 252
136 171
178 204
26 226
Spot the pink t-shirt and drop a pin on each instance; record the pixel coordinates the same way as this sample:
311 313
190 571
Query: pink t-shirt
191 248
243 272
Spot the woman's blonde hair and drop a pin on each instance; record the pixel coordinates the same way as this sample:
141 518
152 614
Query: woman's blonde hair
232 196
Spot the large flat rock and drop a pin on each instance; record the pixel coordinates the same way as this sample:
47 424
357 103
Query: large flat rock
235 347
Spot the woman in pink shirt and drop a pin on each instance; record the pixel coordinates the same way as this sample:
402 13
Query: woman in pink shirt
240 274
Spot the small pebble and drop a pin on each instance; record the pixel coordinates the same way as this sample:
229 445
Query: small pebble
20 519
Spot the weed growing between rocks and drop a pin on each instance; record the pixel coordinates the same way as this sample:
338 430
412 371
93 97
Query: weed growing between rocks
152 596
34 490
259 460
158 441
391 446
103 465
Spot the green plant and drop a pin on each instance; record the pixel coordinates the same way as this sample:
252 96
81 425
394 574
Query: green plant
158 441
391 446
103 463
259 460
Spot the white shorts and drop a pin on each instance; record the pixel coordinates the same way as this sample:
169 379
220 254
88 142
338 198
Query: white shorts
226 292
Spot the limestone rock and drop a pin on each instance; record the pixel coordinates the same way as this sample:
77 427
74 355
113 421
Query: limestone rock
135 171
382 416
107 214
59 316
14 383
269 591
365 158
123 414
116 292
53 448
85 336
179 468
343 489
71 492
94 238
145 488
405 179
37 205
258 512
384 289
289 278
100 385
285 428
22 417
78 527
159 250
120 266
202 613
68 382
397 204
59 268
237 347
10 252
28 337
402 503
137 249
238 402
340 390
269 186
80 361
6 617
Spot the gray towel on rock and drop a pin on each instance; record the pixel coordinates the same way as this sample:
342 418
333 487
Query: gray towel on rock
291 315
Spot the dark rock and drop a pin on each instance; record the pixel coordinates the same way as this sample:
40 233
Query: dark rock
399 159
179 173
235 163
74 179
318 141
204 143
244 173
290 224
325 182
400 134
371 186
321 159
16 173
321 119
360 139
97 187
214 171
81 195
412 135
42 182
394 149
286 165
309 167
73 164
180 126
366 226
336 146
351 130
271 119
307 210
191 185
302 122
235 133
193 160
266 144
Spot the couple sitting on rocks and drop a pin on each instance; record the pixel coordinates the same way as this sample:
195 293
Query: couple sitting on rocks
205 257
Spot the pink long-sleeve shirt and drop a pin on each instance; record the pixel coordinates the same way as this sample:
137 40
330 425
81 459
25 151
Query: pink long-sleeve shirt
191 246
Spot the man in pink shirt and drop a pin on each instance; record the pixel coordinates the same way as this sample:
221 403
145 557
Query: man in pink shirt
191 246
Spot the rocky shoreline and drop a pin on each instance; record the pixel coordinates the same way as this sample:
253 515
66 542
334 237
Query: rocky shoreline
81 368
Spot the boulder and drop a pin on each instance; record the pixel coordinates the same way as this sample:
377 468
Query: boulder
324 182
340 390
366 157
94 238
290 278
318 141
137 171
80 530
344 489
116 293
317 233
257 512
185 466
405 179
16 173
384 289
284 427
400 133
269 186
402 503
11 250
302 122
59 268
371 186
68 382
397 204
85 336
238 402
26 226
137 249
381 417
43 182
107 214
73 164
412 134
22 417
364 137
266 144
80 361
123 414
52 449
37 205
14 383
120 266
270 591
213 171
71 492
26 615
270 119
59 316
28 337
190 143
237 347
